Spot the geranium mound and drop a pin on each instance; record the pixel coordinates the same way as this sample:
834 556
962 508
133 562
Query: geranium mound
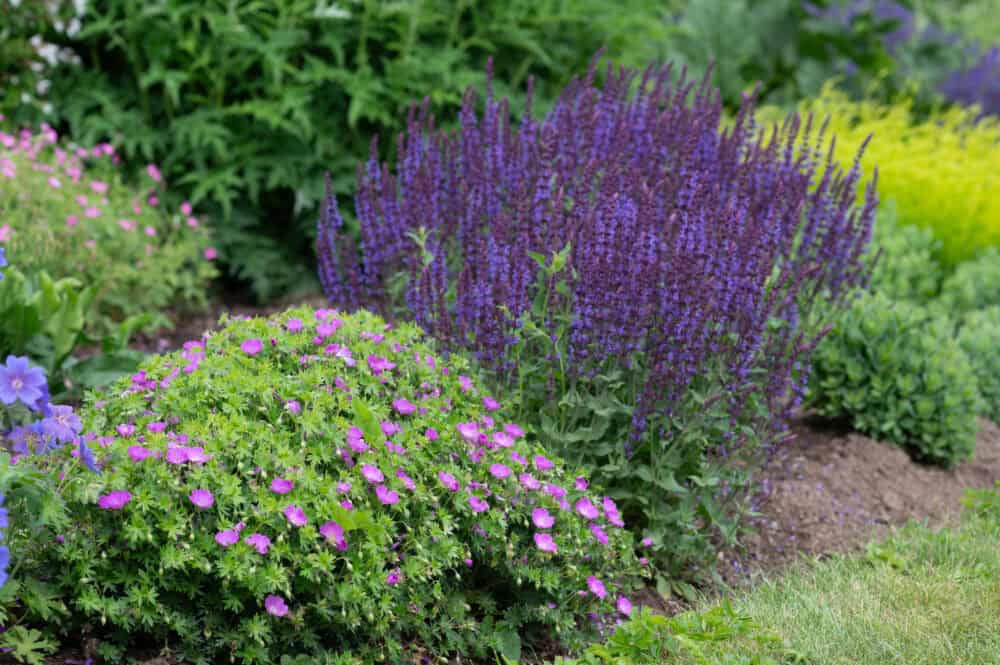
326 484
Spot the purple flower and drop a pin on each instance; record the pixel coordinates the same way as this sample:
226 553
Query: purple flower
343 487
21 382
63 425
389 428
543 463
156 427
259 542
596 587
334 533
542 519
478 505
281 486
499 471
599 534
502 439
293 407
392 579
528 481
587 509
378 364
125 430
293 325
647 542
138 453
295 515
372 473
114 500
518 457
275 606
555 491
201 498
513 430
545 543
407 481
465 382
469 431
624 605
491 404
403 407
252 347
228 537
177 455
431 434
581 483
448 480
386 496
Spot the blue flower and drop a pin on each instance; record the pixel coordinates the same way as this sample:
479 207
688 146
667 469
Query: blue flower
29 439
20 381
4 562
3 261
87 456
63 425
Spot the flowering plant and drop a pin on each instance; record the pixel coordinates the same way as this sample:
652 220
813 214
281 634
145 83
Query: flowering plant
630 269
315 483
65 210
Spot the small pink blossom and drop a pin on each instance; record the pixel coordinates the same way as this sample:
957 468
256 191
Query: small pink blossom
647 542
431 434
372 473
518 457
587 509
210 254
624 605
543 463
545 543
513 430
275 606
407 481
176 455
392 578
343 487
125 430
281 486
126 224
99 187
469 431
186 208
92 212
251 346
542 519
386 496
499 471
150 231
228 537
292 406
503 440
596 587
334 533
294 325
377 364
600 535
491 404
138 453
259 542
295 515
6 232
154 173
528 481
465 382
192 222
72 220
201 498
114 500
54 182
448 480
403 407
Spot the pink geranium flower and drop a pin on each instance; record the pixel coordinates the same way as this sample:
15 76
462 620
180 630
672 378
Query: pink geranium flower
599 534
252 346
478 505
275 606
334 533
596 587
528 481
386 496
448 480
542 519
543 463
138 453
513 430
295 515
403 407
500 471
186 208
259 542
587 509
114 500
469 431
392 578
228 537
201 498
154 173
293 325
624 605
491 404
372 473
545 543
210 254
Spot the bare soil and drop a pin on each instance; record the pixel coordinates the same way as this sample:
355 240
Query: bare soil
834 491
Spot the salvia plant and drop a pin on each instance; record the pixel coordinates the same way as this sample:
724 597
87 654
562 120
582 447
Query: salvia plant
329 488
65 210
630 269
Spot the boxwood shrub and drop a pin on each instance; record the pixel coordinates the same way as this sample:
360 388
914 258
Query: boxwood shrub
328 486
897 372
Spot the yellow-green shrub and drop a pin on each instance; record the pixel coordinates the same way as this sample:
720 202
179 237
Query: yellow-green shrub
943 172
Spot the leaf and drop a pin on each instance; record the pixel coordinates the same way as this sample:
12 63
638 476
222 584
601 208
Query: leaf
367 422
509 645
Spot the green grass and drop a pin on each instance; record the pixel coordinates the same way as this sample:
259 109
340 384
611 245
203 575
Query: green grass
921 597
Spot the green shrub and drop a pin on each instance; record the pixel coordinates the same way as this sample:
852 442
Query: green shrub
246 104
65 210
897 372
287 428
979 337
907 267
973 285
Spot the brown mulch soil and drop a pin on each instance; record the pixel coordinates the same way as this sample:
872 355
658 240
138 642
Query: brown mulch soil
834 491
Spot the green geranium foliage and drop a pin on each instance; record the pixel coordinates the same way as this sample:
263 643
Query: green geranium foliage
979 337
327 486
897 372
975 284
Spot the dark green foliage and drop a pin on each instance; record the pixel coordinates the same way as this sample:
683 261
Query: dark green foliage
897 372
979 337
245 104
